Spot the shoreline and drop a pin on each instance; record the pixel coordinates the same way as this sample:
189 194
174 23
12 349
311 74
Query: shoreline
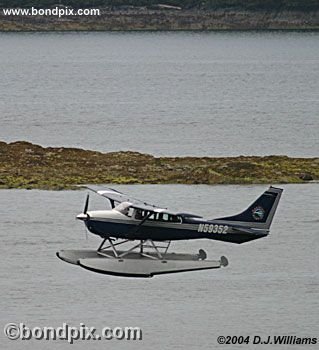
28 166
142 19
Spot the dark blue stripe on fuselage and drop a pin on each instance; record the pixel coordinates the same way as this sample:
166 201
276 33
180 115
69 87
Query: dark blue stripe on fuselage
159 233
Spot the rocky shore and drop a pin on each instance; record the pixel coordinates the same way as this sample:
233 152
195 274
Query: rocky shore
169 19
26 165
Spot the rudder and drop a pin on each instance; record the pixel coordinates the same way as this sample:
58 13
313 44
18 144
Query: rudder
261 212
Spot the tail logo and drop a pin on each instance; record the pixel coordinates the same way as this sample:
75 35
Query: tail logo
258 213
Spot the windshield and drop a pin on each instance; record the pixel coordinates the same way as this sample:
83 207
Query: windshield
123 207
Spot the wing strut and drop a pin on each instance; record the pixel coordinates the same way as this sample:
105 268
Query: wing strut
141 247
137 227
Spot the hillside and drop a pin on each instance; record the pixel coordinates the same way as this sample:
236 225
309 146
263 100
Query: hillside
121 15
25 165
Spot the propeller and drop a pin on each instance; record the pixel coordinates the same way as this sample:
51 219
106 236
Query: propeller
86 204
85 216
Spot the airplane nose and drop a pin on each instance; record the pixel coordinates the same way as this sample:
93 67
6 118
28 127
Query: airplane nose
82 216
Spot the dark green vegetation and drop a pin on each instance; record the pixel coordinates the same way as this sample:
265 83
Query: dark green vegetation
25 165
280 5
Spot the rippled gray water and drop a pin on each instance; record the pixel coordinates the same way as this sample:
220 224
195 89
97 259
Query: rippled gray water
210 94
271 286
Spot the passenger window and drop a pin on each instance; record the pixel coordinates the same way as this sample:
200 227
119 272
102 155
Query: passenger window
151 217
165 217
141 214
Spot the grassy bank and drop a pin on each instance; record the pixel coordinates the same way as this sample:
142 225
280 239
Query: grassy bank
133 15
275 5
136 19
25 165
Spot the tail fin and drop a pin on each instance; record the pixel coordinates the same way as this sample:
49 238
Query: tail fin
261 213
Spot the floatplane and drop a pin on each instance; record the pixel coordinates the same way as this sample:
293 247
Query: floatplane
154 228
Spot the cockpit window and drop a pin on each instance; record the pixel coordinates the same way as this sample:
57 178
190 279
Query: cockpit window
130 212
140 214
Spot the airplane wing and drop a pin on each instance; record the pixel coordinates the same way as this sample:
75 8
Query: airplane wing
119 197
152 208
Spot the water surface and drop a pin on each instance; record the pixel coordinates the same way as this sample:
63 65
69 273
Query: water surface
215 94
271 286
